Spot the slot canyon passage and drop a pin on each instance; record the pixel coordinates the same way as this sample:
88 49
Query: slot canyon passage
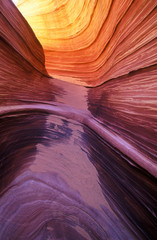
78 119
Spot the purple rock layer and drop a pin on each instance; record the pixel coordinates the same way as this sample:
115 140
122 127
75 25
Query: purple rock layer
75 162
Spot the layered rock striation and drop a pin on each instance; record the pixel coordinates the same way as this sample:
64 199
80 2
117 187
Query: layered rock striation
91 41
78 162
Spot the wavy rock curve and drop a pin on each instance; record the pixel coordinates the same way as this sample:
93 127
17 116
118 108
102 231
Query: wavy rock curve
91 41
77 162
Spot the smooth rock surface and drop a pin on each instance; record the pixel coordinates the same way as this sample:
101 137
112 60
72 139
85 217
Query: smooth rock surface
78 162
91 41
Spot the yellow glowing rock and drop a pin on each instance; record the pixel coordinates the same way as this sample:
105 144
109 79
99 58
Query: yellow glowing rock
91 41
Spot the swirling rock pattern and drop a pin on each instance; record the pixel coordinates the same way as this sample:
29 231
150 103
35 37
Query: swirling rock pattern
78 162
91 41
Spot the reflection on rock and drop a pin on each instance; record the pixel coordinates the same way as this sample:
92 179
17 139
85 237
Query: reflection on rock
53 181
121 184
75 162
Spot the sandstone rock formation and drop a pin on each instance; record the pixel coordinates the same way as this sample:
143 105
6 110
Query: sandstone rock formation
91 41
78 162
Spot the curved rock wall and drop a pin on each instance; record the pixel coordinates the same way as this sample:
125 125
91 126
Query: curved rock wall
15 30
91 41
77 162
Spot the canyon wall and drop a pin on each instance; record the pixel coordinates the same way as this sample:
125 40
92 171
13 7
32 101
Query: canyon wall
91 41
78 161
